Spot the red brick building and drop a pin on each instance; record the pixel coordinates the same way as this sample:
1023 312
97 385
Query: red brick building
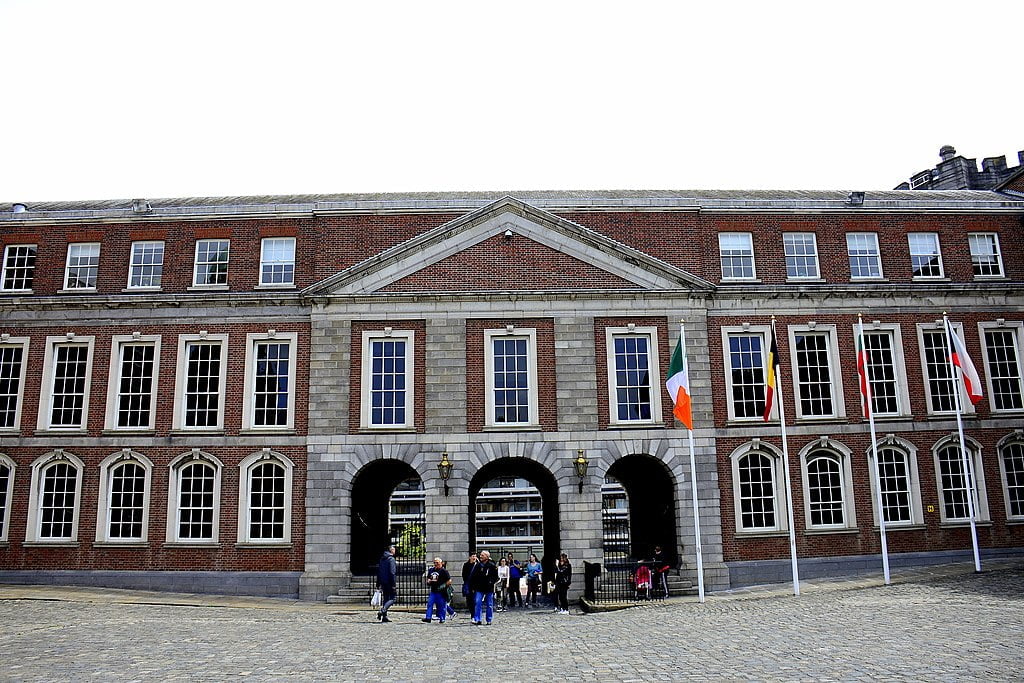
253 394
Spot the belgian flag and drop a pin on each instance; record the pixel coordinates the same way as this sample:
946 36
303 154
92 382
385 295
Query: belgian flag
773 365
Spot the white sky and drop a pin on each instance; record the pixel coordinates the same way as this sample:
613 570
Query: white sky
153 99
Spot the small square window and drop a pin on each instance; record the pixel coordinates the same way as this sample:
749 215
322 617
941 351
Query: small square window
801 255
737 254
82 266
986 259
925 257
147 266
19 267
865 261
277 262
211 267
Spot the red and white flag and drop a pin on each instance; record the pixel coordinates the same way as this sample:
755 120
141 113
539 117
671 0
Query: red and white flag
958 354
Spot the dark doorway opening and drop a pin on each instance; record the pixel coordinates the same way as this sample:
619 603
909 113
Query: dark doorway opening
372 525
650 492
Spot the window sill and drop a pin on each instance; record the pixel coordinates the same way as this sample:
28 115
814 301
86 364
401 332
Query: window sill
741 281
949 415
964 524
50 544
1015 521
208 545
78 290
121 544
249 431
761 534
142 289
901 527
77 431
872 280
832 419
637 425
932 278
283 286
990 278
15 291
511 428
830 532
250 545
217 431
386 430
127 431
208 288
804 280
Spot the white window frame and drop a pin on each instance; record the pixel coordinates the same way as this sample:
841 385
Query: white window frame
196 284
117 344
132 266
1017 328
977 469
3 267
877 255
914 483
899 365
530 334
366 377
966 407
67 267
12 342
765 332
937 254
1014 439
813 254
778 488
174 497
109 463
5 514
35 498
49 377
834 368
998 254
245 489
653 368
181 380
264 262
248 402
839 452
753 263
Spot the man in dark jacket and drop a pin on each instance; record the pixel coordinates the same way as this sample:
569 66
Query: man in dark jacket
467 567
387 581
482 578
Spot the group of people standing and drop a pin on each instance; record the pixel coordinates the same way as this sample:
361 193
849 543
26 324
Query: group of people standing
483 581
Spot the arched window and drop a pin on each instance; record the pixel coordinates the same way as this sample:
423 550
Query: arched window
54 498
899 483
265 498
1011 464
6 488
759 489
828 485
953 482
194 499
123 513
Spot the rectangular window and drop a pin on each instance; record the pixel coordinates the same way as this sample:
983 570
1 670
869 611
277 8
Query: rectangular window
196 496
801 255
813 363
267 500
19 267
633 377
865 260
883 347
12 382
894 469
745 374
272 384
387 375
82 266
58 502
511 378
201 379
737 253
277 262
925 257
938 376
986 259
211 267
1003 367
126 511
147 265
68 395
135 385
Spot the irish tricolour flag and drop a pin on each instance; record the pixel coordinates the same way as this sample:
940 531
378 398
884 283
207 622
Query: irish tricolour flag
678 385
967 370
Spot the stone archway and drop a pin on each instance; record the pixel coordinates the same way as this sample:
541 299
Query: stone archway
651 494
372 530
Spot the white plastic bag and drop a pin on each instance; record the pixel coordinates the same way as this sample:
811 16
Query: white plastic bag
375 599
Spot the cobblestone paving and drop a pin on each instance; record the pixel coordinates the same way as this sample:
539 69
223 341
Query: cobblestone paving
934 627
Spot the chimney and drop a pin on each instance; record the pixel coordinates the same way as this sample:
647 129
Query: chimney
993 164
947 152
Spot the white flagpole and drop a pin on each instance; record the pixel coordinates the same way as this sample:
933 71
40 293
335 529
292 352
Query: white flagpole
693 479
969 481
785 470
874 448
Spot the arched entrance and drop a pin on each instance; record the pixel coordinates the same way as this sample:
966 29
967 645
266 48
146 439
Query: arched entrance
387 507
514 506
640 504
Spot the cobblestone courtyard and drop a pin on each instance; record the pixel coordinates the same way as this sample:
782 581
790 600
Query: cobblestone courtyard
938 625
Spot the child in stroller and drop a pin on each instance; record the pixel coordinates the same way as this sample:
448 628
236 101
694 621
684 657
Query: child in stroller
642 579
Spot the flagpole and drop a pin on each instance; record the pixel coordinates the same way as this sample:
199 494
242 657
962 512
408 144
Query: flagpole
785 471
870 407
969 482
693 480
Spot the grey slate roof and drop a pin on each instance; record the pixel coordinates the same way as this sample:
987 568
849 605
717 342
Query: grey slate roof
552 200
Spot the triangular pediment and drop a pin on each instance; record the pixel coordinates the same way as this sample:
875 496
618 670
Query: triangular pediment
508 245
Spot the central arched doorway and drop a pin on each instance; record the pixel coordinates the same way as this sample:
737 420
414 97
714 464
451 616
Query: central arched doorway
387 507
513 506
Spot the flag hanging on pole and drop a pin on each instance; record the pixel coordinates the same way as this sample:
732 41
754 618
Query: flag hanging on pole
958 354
773 364
862 370
678 385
